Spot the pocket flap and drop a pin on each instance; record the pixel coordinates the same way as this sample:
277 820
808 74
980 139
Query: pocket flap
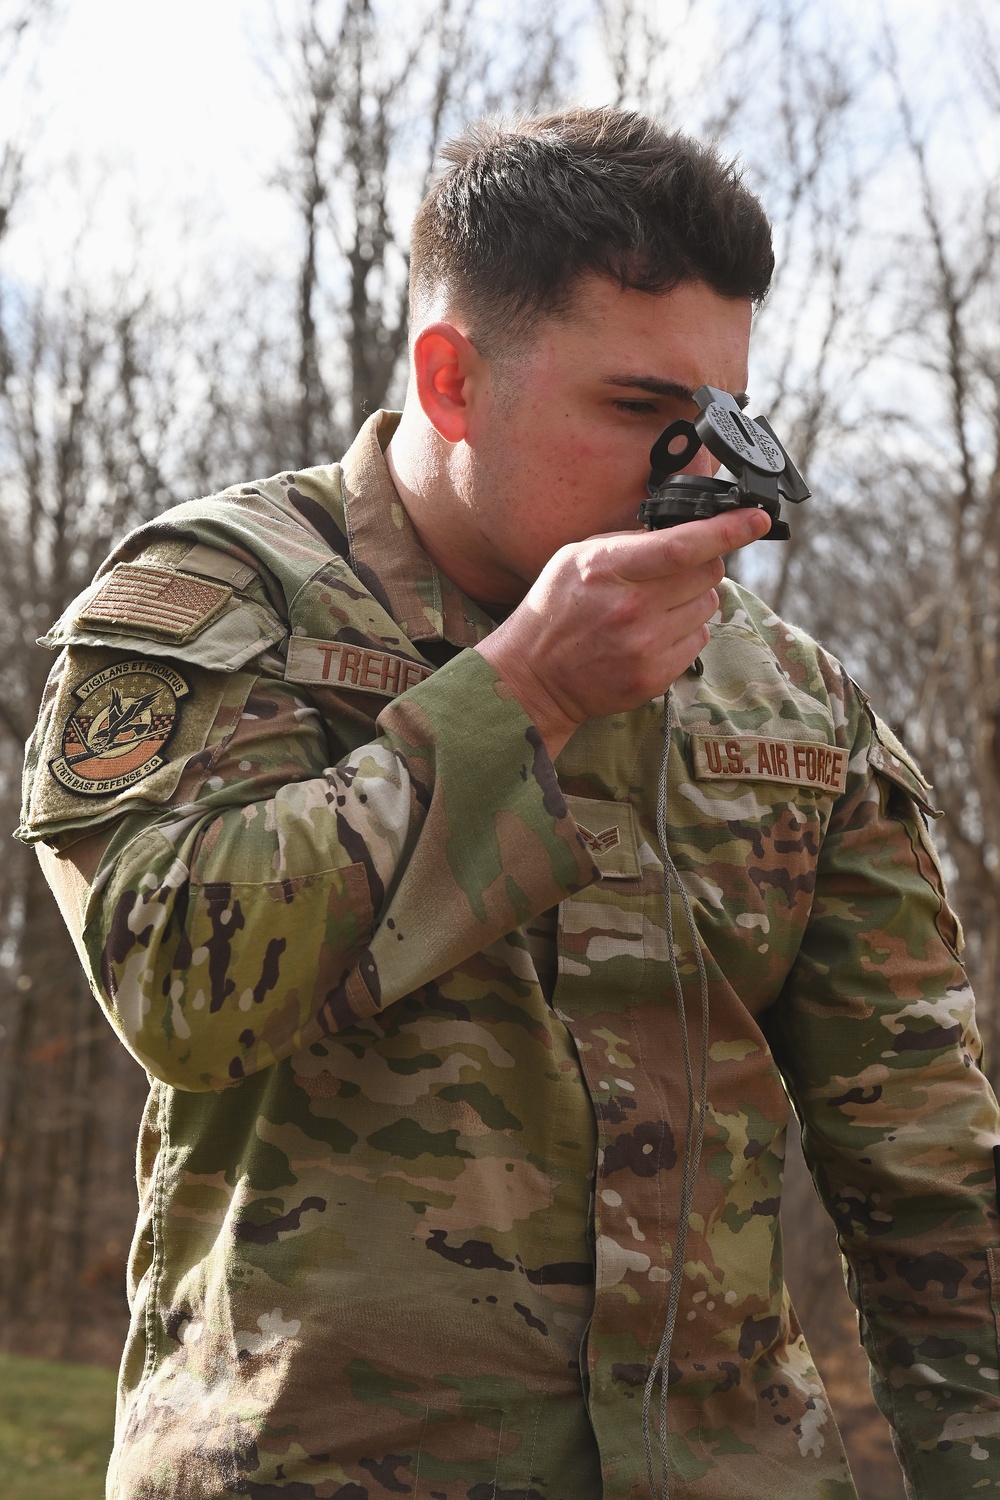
888 755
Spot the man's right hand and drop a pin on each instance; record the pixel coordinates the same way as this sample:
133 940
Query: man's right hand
612 621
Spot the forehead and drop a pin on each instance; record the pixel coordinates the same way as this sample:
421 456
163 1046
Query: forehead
689 336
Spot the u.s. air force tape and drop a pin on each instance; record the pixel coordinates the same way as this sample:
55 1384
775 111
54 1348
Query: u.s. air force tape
750 757
360 668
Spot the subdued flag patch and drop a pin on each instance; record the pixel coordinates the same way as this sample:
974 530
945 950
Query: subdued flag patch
148 600
113 735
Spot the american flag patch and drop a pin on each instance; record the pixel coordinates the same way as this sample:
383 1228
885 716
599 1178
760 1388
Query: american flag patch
155 601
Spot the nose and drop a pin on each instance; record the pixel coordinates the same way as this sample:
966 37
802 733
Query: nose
703 462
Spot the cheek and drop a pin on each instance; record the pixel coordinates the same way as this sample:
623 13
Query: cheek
590 475
585 464
561 471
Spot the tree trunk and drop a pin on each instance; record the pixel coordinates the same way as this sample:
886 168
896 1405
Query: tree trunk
70 1101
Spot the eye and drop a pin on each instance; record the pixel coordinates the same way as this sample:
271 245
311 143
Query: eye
637 408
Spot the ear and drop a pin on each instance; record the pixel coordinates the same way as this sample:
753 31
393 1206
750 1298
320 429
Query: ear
449 372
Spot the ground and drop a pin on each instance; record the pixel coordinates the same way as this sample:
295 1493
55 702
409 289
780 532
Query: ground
56 1422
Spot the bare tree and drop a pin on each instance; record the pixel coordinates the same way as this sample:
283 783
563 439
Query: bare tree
370 95
18 18
635 42
919 573
86 429
64 1175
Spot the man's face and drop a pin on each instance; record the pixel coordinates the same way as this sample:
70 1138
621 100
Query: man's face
560 451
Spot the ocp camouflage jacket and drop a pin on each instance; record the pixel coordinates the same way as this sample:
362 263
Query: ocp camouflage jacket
409 1201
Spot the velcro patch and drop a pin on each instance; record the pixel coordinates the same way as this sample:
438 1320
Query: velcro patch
749 757
337 664
146 600
609 832
601 843
121 720
209 562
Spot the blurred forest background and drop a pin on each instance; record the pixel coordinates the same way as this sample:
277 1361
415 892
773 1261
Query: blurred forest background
873 137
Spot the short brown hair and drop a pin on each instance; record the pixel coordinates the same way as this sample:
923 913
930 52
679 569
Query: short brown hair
529 205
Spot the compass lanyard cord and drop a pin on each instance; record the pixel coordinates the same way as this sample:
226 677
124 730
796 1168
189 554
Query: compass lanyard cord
694 1133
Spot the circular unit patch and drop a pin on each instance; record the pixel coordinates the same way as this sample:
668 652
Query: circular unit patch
123 718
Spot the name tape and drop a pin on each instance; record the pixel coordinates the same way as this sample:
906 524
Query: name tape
336 664
748 757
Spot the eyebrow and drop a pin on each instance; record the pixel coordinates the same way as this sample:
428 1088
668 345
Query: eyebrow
652 384
657 387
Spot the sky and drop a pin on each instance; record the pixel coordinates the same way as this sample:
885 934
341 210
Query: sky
167 105
157 110
162 111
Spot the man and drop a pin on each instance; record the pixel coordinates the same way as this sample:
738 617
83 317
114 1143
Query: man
347 785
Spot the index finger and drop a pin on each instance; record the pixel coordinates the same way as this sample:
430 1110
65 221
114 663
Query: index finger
640 556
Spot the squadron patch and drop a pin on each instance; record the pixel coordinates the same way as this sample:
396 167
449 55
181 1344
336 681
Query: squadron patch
122 719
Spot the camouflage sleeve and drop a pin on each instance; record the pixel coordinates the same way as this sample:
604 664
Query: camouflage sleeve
278 898
877 1038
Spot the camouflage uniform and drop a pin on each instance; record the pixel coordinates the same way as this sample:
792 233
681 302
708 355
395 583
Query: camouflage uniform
408 1211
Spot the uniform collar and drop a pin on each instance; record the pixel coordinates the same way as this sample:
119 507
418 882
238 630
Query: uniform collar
386 554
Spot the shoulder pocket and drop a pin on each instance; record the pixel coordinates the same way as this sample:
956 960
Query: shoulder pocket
160 611
891 760
889 756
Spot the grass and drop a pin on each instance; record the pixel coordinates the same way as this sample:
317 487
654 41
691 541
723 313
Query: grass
56 1423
